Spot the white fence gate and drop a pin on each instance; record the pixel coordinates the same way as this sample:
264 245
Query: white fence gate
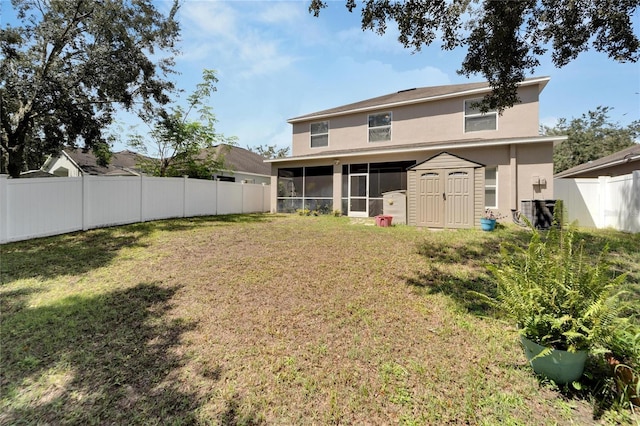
603 202
38 207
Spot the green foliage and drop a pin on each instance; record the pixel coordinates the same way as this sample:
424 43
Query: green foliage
505 38
68 65
558 296
270 151
590 137
183 146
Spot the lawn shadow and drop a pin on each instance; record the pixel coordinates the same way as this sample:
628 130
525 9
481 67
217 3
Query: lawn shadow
100 359
80 252
447 257
69 254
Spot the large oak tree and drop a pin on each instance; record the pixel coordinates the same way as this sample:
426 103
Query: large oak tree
70 64
506 38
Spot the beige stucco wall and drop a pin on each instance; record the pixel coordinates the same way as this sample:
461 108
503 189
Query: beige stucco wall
436 121
517 164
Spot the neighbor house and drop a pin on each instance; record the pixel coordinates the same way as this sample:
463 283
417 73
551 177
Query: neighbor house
452 160
76 162
619 163
240 165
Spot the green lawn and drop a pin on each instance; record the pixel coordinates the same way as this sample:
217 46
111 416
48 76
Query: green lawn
271 319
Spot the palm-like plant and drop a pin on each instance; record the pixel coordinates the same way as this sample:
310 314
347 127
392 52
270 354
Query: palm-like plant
559 296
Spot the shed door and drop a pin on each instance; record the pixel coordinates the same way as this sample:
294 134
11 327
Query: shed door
431 199
445 198
459 199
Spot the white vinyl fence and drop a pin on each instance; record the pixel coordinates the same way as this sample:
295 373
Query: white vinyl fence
38 207
603 202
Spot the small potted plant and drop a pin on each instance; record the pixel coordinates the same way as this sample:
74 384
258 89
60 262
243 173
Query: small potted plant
488 221
563 301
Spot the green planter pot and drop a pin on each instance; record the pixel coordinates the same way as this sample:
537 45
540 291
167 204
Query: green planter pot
560 366
487 224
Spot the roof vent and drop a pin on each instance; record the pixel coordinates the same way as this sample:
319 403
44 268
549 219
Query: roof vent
406 90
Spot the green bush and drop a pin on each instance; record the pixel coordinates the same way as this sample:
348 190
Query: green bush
558 296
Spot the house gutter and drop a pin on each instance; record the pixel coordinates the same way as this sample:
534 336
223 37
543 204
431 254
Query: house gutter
475 144
310 117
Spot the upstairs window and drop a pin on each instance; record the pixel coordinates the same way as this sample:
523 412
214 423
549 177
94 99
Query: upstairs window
319 134
380 127
475 120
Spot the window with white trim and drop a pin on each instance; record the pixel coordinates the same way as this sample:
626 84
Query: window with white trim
319 134
491 187
476 120
380 127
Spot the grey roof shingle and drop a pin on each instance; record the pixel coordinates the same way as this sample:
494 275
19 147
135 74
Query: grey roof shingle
404 96
629 154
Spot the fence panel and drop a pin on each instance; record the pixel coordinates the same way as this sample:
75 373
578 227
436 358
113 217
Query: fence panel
581 199
41 207
602 202
38 207
162 198
229 197
622 203
111 200
252 198
200 199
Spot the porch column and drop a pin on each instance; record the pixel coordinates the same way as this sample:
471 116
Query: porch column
337 185
513 169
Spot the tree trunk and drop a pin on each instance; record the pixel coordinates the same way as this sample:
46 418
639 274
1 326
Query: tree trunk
16 156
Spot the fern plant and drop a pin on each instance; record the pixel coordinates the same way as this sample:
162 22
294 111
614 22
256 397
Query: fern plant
559 296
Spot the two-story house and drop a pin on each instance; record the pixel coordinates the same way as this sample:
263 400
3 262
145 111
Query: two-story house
453 161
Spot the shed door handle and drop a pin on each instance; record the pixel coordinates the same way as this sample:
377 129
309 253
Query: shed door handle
444 196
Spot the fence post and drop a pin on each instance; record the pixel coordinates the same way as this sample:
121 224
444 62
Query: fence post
242 183
85 202
184 195
141 198
4 207
603 198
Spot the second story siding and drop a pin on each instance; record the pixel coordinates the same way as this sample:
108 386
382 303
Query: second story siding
434 121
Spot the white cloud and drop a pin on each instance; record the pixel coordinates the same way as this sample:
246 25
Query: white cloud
280 13
222 32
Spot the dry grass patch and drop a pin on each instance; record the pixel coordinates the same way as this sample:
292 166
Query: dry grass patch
263 319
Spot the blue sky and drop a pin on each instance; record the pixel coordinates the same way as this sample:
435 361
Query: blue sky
276 61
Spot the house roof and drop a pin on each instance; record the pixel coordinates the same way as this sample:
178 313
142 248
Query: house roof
35 174
122 163
238 159
418 147
628 155
412 96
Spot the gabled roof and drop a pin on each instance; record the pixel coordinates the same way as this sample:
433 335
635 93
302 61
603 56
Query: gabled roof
462 162
238 159
412 96
625 156
121 163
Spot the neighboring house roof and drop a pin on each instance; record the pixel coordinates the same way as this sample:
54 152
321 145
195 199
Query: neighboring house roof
606 165
412 96
238 159
36 174
425 146
122 163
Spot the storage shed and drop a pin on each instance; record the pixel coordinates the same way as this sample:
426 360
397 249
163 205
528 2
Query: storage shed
445 191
